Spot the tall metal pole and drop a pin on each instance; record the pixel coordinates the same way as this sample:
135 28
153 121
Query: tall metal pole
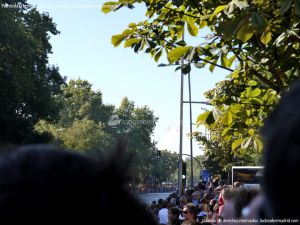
191 130
180 189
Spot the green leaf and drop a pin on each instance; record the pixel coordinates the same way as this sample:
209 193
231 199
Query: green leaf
127 31
241 4
108 7
235 108
227 62
186 68
252 83
228 118
180 43
258 144
251 132
132 25
192 28
231 60
199 65
137 47
258 21
228 28
212 66
257 101
130 42
245 34
237 143
218 10
246 142
256 92
202 117
176 53
158 55
285 6
225 131
224 60
216 113
206 117
297 7
116 40
266 37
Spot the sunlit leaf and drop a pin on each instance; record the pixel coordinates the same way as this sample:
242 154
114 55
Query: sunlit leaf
244 34
192 28
116 40
237 143
176 53
217 10
251 132
213 65
266 37
110 6
158 55
225 131
246 142
258 144
130 42
256 92
202 117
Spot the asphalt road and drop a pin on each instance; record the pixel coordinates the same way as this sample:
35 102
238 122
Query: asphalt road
147 198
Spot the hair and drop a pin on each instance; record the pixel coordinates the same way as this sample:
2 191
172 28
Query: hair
175 211
282 155
41 183
227 193
242 198
192 209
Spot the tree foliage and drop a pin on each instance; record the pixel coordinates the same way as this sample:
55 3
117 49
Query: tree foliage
29 85
256 43
82 124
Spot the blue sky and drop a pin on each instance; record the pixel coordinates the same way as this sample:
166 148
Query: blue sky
83 50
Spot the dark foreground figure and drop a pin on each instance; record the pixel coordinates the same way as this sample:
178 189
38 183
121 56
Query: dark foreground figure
282 158
279 203
41 185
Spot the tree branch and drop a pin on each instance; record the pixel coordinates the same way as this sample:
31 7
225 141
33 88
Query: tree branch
217 65
265 80
183 13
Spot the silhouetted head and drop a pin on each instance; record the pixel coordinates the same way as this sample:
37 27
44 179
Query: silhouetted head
40 183
282 155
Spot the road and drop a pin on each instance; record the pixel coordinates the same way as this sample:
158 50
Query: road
149 197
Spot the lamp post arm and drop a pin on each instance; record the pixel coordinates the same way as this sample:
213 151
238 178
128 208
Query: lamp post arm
195 160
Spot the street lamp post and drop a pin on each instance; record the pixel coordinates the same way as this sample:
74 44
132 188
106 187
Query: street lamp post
191 131
180 189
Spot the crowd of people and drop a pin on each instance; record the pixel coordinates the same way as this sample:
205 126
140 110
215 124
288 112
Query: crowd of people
207 203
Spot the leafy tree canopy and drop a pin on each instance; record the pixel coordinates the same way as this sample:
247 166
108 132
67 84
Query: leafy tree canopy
29 85
256 43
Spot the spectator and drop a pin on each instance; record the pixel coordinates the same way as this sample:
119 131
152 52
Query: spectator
163 213
174 216
190 212
281 161
40 184
282 156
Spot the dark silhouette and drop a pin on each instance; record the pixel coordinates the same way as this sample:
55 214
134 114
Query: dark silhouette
282 157
41 184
